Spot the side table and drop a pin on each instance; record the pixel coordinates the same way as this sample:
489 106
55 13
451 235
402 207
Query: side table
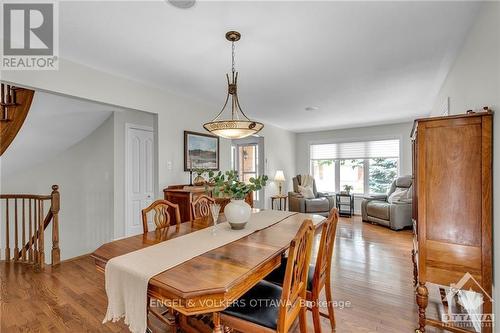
282 201
345 204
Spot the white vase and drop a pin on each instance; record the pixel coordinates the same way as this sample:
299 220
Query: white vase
237 213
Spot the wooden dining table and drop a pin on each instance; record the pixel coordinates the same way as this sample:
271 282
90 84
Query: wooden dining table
208 283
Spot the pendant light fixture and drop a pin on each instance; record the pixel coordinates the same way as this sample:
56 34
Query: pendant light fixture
239 125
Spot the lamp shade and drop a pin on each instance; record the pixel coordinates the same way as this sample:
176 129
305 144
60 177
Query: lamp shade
280 176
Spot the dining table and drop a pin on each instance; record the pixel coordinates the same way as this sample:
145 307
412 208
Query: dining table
210 282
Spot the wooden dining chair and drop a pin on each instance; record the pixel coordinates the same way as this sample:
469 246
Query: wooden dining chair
277 308
161 218
201 206
319 273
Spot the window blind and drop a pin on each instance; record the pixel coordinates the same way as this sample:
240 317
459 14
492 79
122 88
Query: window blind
355 150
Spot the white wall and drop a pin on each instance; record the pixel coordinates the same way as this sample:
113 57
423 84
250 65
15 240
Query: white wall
84 174
280 154
474 82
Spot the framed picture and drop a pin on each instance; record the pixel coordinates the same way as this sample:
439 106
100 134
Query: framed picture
201 151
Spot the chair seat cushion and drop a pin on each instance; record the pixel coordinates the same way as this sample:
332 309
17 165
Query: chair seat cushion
378 209
278 275
260 305
317 205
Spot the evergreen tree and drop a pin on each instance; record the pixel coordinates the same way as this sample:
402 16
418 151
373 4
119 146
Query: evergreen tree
382 173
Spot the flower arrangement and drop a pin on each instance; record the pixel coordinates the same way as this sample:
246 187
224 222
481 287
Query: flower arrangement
227 184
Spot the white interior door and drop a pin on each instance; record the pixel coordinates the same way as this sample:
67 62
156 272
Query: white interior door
139 176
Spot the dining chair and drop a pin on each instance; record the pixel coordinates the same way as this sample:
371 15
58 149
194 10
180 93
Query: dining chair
268 307
201 206
319 273
161 218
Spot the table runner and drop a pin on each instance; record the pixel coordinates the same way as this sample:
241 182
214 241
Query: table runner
127 276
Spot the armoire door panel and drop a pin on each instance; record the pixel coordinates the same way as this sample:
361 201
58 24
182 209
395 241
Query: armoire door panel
454 254
446 277
453 168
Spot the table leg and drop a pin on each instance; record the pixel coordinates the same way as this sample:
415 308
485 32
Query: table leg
217 324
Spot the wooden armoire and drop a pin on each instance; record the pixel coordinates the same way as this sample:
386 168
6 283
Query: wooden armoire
452 209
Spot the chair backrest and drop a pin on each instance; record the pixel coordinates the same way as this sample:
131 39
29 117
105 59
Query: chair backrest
296 181
293 296
400 182
327 242
162 210
201 206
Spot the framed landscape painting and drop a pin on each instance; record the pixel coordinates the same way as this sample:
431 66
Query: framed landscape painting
201 151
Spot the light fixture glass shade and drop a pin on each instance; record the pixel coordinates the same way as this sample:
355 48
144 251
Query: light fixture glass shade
280 176
233 129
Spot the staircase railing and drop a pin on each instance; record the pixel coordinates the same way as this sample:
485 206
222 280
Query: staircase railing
24 227
15 104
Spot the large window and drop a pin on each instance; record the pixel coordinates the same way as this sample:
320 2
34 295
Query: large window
369 167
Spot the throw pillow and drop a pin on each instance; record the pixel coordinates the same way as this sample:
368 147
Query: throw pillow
307 192
398 195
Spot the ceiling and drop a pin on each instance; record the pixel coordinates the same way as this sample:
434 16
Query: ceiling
361 63
52 117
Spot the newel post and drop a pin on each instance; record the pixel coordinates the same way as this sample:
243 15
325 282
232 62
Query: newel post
55 205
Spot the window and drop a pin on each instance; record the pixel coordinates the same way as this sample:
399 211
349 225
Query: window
352 174
368 166
324 174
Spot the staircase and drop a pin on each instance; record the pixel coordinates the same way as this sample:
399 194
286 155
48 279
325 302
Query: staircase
23 224
15 103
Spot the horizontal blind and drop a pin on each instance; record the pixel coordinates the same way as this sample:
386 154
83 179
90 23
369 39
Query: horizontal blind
355 150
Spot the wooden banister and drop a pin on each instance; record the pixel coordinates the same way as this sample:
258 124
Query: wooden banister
15 103
33 249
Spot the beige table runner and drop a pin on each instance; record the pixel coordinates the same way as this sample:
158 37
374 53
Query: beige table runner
127 276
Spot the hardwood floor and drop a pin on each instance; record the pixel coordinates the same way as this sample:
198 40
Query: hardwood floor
372 270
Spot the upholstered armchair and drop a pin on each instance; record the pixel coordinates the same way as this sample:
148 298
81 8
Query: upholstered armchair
390 210
320 204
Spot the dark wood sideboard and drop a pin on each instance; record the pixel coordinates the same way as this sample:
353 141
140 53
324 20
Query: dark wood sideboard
184 195
452 212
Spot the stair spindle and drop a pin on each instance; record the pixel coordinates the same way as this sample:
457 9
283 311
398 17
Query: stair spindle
2 101
41 245
23 251
7 231
30 232
35 232
16 233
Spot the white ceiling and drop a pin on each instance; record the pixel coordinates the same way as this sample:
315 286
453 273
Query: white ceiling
54 123
362 63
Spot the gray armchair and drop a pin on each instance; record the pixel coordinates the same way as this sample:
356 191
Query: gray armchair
321 204
396 215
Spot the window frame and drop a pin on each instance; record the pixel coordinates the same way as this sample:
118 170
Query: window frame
366 162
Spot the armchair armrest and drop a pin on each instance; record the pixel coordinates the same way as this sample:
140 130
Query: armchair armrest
296 202
379 197
330 197
400 215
